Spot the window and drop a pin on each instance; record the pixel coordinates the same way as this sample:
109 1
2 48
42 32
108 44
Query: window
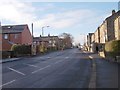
54 41
50 41
16 36
5 36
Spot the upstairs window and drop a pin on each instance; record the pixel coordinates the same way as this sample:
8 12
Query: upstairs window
5 36
16 36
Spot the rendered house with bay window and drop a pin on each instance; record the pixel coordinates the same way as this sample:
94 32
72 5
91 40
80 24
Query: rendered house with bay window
14 34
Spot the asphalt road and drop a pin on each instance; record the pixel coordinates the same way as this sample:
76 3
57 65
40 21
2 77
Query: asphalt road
62 69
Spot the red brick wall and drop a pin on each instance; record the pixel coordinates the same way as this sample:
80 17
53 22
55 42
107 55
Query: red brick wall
15 40
26 36
22 38
0 42
6 46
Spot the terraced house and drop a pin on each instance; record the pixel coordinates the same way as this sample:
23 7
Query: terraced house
14 34
109 30
47 42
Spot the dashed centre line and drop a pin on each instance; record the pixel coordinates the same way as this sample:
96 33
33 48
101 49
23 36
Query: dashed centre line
16 71
7 83
66 57
41 69
48 57
30 65
57 62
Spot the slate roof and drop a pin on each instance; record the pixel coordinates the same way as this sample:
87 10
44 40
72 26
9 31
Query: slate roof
116 14
13 28
45 38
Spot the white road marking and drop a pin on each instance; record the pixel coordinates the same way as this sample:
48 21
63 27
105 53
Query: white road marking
92 83
48 57
90 57
16 71
57 62
7 83
66 57
30 65
41 69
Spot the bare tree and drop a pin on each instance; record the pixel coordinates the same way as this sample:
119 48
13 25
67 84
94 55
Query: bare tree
67 40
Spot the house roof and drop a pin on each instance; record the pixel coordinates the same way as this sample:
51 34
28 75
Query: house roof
13 28
45 38
36 39
116 14
41 39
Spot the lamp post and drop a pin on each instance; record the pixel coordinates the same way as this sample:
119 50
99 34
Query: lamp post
43 30
42 47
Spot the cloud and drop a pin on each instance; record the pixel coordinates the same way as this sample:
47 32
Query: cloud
69 1
24 12
16 12
64 19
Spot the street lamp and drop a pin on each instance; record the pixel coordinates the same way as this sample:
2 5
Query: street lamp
43 35
43 30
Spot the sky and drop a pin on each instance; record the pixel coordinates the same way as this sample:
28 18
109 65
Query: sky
75 18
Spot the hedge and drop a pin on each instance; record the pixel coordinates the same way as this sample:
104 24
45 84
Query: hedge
7 54
20 50
112 48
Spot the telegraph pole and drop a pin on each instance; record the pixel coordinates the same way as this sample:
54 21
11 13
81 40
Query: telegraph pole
33 45
32 30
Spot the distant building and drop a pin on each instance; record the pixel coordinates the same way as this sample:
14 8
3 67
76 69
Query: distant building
109 30
89 41
103 32
97 35
111 25
14 34
47 42
117 28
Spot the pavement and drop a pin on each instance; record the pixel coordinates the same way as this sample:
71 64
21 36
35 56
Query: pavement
8 60
105 73
20 58
63 69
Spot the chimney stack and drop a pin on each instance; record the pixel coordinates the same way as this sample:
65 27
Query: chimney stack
48 35
113 12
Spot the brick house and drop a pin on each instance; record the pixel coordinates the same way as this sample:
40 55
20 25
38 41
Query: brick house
111 25
89 41
47 41
109 30
14 34
117 28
